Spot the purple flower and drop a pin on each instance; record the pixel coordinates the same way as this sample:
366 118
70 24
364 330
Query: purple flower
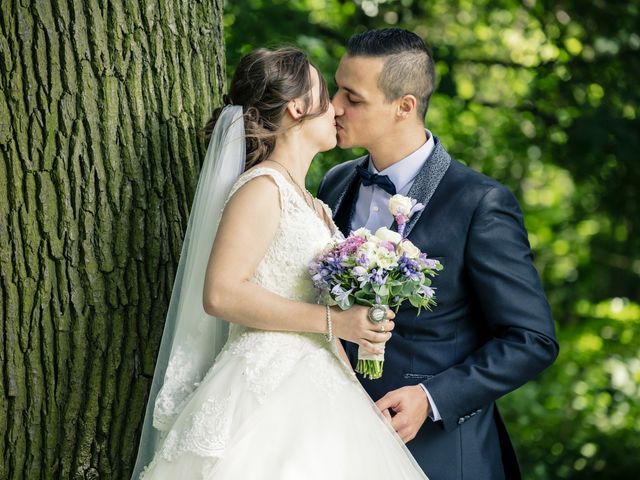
378 275
427 262
363 261
427 291
341 296
350 245
360 273
409 268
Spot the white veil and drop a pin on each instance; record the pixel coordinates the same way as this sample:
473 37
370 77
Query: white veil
192 339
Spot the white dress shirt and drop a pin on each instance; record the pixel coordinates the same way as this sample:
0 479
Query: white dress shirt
372 206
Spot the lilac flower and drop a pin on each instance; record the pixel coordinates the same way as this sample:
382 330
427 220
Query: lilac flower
427 291
335 265
361 275
427 262
363 261
341 296
378 276
409 268
351 245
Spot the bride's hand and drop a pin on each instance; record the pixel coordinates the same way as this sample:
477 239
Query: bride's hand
354 326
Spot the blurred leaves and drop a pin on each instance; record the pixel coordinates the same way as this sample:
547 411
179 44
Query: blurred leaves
542 96
582 418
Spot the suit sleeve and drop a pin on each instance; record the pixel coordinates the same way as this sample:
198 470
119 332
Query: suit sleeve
522 340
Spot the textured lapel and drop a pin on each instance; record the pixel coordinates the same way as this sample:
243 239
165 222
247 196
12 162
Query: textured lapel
427 181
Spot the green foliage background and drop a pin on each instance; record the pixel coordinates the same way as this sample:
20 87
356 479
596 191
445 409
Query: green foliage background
542 96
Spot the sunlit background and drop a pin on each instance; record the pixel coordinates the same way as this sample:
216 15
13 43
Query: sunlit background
542 96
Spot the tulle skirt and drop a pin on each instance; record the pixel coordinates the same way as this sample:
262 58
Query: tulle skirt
280 406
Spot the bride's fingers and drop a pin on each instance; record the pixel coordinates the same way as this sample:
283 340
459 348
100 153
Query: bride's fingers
377 336
373 348
385 326
382 327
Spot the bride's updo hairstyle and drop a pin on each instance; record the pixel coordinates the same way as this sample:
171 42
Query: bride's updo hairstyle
264 83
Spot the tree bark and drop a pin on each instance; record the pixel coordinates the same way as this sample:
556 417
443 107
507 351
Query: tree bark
100 103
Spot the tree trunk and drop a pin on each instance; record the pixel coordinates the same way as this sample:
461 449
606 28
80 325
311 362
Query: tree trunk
100 103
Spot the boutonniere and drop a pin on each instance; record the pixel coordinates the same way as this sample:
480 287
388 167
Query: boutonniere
402 208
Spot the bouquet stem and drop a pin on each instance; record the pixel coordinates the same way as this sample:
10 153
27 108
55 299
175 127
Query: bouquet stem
370 364
370 369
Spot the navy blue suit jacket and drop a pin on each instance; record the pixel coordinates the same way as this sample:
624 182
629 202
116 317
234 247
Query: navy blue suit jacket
491 331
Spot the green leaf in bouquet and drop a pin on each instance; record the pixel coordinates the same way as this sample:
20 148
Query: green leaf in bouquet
381 290
396 291
416 300
364 298
408 288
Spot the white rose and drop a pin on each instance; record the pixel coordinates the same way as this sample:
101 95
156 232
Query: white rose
409 249
362 232
386 235
400 204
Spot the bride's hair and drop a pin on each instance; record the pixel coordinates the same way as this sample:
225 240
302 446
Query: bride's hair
263 84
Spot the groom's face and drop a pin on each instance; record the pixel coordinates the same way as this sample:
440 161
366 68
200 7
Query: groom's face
363 115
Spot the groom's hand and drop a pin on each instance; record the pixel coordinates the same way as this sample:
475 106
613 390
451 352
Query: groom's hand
411 407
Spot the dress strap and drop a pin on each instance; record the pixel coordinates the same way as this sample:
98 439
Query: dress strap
284 187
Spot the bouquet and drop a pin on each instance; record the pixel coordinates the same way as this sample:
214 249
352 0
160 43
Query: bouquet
377 270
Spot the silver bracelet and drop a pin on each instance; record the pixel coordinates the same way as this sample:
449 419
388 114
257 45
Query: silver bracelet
329 334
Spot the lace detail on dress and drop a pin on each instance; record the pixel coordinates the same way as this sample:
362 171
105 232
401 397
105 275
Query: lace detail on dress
205 435
209 428
175 391
300 236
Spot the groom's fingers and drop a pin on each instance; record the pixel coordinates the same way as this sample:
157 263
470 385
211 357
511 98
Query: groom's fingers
403 426
387 414
389 401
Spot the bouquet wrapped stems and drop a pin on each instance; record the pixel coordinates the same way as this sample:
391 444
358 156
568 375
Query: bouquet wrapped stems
370 365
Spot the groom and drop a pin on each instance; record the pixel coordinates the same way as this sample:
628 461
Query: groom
492 330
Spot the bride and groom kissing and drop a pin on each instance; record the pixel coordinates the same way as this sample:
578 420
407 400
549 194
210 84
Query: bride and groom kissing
254 379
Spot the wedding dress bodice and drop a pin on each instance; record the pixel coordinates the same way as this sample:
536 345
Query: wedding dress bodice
301 235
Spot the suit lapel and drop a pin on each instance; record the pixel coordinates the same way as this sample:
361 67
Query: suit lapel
347 191
427 181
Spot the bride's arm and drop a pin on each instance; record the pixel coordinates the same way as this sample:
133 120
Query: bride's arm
247 228
342 353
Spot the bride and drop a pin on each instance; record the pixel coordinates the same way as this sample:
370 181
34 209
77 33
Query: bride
267 392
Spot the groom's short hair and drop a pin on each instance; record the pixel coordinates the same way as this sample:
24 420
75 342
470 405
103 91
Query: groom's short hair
408 67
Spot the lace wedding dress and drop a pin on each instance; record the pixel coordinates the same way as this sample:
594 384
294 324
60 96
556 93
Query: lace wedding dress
278 405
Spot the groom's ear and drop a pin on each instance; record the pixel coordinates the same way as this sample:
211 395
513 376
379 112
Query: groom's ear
294 107
407 105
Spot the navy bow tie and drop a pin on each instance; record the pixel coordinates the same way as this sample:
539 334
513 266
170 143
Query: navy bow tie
383 181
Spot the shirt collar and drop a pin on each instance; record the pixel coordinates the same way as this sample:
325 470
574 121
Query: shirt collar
404 171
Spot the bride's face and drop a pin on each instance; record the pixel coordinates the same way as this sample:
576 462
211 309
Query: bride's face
321 130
